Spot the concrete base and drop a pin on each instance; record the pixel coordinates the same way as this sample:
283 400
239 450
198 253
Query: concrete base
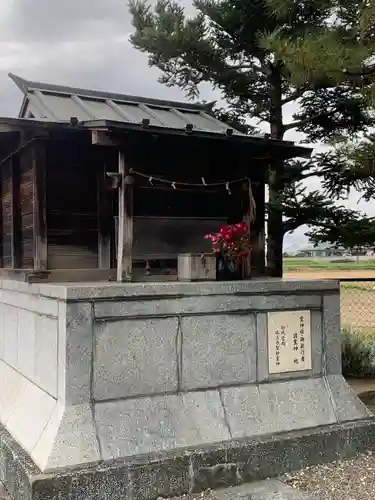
136 391
185 470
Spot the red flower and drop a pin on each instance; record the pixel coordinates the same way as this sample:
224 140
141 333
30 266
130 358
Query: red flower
232 241
224 229
241 229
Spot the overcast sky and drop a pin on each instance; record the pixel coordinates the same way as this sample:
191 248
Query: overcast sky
80 43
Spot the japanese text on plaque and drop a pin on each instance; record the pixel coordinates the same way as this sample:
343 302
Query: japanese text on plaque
289 341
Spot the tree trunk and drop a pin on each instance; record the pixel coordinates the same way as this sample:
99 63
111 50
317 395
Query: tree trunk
275 187
275 226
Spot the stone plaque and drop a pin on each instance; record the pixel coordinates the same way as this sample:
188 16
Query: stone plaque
289 341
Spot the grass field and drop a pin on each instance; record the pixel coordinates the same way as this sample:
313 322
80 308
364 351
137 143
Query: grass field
291 264
357 297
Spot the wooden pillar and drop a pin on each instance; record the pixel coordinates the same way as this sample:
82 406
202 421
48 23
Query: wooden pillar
16 212
39 206
257 231
104 220
125 222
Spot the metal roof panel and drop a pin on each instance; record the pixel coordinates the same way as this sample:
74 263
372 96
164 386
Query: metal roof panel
26 86
101 108
60 103
63 108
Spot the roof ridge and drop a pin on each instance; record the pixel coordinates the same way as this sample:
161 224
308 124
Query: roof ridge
27 85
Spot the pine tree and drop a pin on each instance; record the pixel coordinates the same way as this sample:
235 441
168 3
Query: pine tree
263 55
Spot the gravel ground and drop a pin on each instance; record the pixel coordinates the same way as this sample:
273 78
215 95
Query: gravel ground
348 480
3 494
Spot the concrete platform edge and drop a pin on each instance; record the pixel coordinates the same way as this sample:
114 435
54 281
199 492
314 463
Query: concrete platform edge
188 470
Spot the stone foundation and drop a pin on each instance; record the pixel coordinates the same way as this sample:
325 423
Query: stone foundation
157 389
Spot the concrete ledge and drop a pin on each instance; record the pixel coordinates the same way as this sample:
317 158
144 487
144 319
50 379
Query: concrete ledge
188 470
102 291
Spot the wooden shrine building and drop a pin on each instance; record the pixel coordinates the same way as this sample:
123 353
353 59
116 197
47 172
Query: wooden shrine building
86 176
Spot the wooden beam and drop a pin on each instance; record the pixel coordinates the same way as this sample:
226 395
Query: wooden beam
102 138
40 206
59 275
104 219
16 213
125 223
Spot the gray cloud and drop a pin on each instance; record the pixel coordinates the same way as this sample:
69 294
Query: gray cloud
58 20
80 43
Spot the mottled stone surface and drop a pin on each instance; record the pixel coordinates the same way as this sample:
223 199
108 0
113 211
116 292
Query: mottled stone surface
252 287
347 405
218 350
135 357
69 438
9 327
277 407
151 306
332 333
100 290
168 474
148 425
79 352
46 342
140 390
30 415
25 335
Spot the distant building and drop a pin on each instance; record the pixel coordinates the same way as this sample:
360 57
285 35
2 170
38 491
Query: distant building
322 251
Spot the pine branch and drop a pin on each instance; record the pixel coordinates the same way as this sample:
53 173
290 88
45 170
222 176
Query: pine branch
308 119
295 224
366 71
294 95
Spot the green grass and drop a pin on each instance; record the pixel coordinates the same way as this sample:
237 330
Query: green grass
358 353
365 286
363 331
291 264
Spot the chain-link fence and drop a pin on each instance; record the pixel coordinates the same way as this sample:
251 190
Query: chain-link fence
358 304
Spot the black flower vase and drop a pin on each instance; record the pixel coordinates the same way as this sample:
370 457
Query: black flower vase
227 269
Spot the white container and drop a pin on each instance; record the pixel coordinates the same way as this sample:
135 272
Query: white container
196 267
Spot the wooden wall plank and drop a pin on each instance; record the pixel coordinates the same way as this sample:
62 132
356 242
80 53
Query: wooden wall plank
6 204
26 209
72 220
104 220
16 213
40 248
